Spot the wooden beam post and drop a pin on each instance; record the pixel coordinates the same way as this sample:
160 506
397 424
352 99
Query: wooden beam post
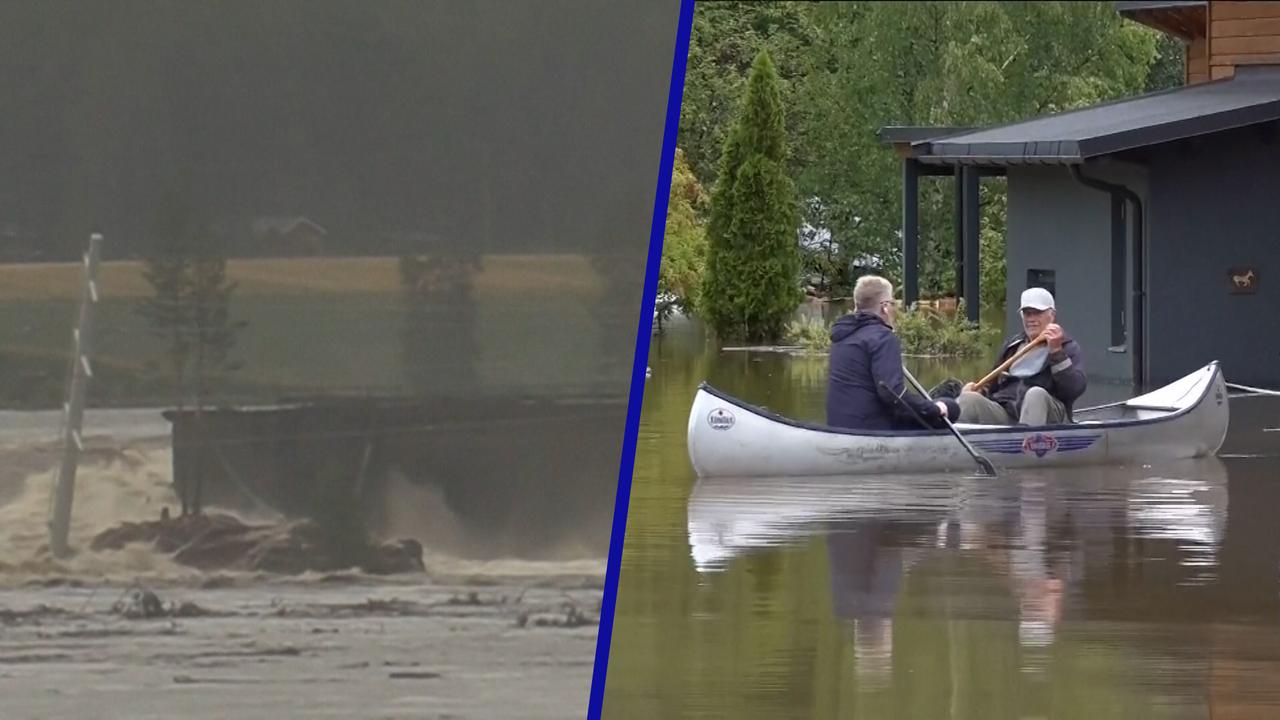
910 231
972 228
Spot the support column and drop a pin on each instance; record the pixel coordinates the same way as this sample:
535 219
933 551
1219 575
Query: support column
959 226
1119 272
910 231
972 227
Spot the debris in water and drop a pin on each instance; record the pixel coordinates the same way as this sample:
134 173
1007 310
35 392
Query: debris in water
414 675
217 541
143 604
189 680
573 618
32 616
474 599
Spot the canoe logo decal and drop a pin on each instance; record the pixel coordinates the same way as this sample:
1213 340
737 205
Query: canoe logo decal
1039 444
720 419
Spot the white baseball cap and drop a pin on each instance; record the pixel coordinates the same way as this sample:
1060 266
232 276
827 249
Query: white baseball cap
1037 298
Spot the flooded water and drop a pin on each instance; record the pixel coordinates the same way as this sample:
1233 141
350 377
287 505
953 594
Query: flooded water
1110 592
473 634
339 648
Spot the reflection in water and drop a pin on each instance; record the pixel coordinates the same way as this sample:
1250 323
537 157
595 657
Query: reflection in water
1031 538
1106 592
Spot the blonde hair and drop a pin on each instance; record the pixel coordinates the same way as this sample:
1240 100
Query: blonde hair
870 291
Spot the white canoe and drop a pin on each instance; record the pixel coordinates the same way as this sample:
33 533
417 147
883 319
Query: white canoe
1185 419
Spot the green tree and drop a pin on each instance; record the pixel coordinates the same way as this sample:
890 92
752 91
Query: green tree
212 331
190 309
945 64
1169 68
753 262
725 39
684 244
437 338
166 315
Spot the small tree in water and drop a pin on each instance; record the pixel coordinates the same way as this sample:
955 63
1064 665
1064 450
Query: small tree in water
684 246
753 260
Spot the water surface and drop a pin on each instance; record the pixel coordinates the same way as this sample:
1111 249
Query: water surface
1114 592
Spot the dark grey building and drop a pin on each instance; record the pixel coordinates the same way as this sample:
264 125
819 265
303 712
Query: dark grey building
1155 220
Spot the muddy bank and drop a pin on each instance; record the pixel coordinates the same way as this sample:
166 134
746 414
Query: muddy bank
219 542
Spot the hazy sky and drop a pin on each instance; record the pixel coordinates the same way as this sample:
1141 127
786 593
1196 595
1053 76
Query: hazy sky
529 126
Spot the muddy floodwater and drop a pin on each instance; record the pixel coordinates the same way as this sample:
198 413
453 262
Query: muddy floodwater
332 648
1093 593
131 633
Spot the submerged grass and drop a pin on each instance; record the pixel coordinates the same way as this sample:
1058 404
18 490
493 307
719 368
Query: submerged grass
924 332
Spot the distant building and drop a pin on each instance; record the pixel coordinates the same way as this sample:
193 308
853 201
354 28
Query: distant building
1155 220
295 235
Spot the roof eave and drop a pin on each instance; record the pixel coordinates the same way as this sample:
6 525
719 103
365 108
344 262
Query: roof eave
999 160
1020 153
895 134
1124 8
1184 20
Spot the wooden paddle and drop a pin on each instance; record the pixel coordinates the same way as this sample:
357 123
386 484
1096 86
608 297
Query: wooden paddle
984 465
991 376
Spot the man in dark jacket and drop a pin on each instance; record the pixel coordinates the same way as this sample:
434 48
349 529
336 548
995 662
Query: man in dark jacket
865 388
1044 398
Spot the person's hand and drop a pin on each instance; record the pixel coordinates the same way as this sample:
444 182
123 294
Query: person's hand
968 387
942 408
1053 336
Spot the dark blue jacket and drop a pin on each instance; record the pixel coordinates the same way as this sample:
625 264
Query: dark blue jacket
1062 375
864 354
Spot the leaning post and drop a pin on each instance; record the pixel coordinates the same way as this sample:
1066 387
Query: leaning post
73 410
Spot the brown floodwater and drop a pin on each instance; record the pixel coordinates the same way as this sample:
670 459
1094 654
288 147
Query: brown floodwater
1111 592
479 633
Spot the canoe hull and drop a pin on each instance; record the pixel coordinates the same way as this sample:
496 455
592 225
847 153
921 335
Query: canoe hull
729 438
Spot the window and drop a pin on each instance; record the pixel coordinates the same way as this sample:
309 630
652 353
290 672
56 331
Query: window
1044 279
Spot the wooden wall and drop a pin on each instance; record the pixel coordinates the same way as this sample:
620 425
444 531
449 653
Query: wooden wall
1197 63
1240 33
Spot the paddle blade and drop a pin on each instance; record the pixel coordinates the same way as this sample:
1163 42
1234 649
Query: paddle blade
985 466
1031 363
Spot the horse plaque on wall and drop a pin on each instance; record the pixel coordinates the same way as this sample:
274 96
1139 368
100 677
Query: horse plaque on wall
1242 280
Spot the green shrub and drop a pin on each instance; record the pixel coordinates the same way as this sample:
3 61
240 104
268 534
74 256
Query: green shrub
684 247
923 331
809 332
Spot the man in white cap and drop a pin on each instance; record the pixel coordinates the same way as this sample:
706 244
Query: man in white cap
1044 398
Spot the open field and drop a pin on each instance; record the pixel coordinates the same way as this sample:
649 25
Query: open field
537 324
499 274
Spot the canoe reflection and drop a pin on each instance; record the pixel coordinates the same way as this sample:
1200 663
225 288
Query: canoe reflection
1039 534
